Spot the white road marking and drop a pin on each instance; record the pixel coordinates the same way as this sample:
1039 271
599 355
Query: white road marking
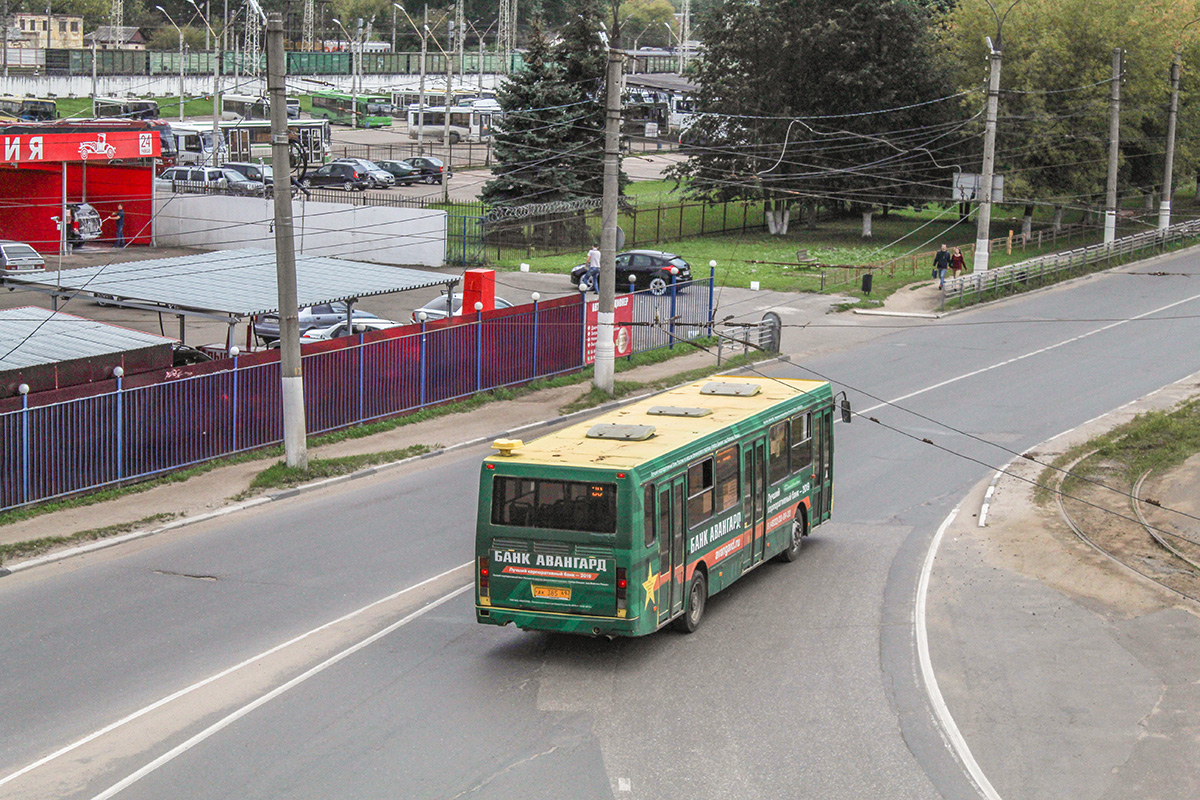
1015 359
945 719
201 684
221 724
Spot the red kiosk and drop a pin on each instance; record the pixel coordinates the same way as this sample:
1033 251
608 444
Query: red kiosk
48 167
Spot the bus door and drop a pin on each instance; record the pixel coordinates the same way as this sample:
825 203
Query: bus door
239 144
754 500
678 565
670 549
822 464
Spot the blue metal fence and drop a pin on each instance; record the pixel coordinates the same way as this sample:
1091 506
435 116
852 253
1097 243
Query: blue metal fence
52 449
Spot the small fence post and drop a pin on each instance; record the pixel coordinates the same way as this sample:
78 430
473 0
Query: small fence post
712 281
536 296
671 328
422 318
119 374
583 329
478 347
233 351
361 349
24 390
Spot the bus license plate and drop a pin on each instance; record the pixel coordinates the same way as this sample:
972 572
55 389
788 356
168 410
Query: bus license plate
556 592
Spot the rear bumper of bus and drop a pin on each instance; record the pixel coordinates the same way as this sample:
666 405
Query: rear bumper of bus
559 622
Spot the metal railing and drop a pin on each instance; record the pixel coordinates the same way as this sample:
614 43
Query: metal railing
973 287
59 443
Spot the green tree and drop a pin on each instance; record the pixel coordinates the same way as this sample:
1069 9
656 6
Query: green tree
1052 140
832 102
581 55
643 22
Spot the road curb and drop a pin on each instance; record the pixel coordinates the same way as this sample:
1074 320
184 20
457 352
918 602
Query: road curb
102 544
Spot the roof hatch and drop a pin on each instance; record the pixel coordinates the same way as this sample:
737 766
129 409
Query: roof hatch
613 430
731 389
678 411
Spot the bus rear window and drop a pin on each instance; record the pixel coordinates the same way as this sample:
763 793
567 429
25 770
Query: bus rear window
557 505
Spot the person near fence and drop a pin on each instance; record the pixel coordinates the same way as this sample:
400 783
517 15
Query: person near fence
941 261
956 262
592 276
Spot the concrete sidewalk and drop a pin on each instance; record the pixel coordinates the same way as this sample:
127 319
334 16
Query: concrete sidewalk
1087 683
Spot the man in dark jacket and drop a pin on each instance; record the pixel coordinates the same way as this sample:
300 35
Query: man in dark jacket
941 262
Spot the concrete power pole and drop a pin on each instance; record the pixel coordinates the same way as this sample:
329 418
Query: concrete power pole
1164 206
605 348
294 433
1114 151
983 234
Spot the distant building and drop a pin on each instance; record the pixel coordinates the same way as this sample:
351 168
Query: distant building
108 37
50 30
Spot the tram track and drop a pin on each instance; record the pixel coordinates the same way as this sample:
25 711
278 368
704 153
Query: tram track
1131 542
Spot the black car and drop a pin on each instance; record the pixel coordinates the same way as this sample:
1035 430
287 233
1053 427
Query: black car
402 171
649 269
346 176
432 170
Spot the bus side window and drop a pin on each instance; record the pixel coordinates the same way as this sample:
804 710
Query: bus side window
801 442
778 446
700 492
648 513
727 478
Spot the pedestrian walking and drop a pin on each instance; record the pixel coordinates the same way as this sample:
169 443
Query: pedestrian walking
592 276
941 261
956 262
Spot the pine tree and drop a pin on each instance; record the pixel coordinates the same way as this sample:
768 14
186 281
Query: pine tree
582 57
532 133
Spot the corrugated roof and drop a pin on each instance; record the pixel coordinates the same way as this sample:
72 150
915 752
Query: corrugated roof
239 283
42 336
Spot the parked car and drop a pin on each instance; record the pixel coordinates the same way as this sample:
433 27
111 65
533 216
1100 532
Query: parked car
346 176
342 329
649 269
254 172
402 171
377 177
207 179
266 326
432 169
436 309
182 355
19 257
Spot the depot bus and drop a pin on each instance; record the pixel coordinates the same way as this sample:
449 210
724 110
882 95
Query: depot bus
29 109
360 110
622 524
244 106
471 123
250 140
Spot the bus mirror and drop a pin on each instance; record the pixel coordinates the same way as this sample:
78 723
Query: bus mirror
845 410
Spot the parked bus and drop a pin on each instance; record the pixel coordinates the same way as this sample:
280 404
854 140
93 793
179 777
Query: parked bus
467 123
29 109
241 106
406 97
360 110
250 140
124 108
622 524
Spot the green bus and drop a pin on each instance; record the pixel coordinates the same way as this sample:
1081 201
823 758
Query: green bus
358 110
625 523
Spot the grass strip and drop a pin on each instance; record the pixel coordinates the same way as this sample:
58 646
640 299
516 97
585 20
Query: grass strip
280 476
1156 440
36 547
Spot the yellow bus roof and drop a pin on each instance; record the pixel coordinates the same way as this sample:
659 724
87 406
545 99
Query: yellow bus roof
571 446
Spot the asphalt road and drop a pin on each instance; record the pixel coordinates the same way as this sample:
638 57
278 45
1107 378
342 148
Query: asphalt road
801 682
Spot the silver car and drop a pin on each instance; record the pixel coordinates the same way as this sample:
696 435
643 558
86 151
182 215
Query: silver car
377 177
436 309
266 326
19 257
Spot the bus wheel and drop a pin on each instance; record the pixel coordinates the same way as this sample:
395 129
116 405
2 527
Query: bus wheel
697 597
793 549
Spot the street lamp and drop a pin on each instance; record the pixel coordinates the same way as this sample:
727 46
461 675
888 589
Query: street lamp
180 31
1164 205
353 75
421 91
216 127
480 37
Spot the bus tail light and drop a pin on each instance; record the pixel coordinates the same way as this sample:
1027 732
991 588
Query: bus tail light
622 589
485 574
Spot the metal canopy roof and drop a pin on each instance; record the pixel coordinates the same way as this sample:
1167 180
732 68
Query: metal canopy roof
237 283
47 337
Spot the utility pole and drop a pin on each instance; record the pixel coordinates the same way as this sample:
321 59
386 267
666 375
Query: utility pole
605 348
6 39
1114 151
421 91
294 433
1164 205
446 111
983 233
356 65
